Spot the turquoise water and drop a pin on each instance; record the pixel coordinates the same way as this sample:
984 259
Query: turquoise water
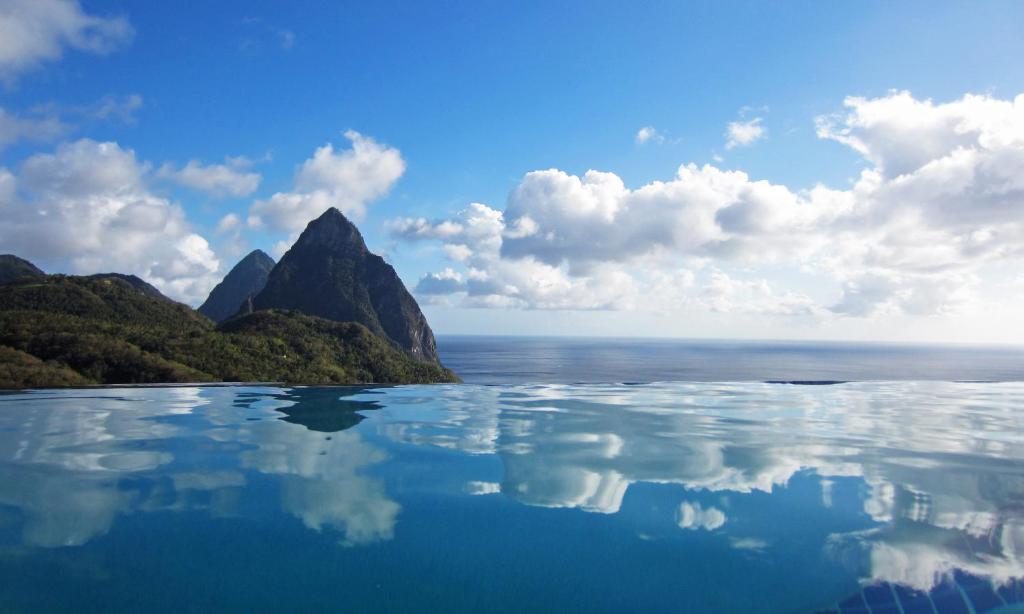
683 497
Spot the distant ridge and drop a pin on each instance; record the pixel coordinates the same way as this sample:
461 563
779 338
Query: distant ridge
134 281
330 273
245 280
13 267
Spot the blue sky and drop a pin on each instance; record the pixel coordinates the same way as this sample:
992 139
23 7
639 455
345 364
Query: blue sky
473 96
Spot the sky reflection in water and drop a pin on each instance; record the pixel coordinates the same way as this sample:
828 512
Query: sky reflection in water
598 497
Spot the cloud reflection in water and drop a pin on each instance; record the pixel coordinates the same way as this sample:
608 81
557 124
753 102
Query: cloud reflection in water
938 467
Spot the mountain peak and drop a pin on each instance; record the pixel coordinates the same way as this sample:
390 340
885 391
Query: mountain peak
258 256
330 273
244 281
333 230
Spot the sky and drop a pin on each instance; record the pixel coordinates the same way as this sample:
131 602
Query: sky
797 170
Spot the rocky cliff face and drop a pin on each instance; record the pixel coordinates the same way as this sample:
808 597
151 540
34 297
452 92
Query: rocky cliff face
244 281
330 273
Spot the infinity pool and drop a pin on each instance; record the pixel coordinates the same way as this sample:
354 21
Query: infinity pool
866 497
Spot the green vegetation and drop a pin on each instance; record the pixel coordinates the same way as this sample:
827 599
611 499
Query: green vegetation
67 331
21 370
12 267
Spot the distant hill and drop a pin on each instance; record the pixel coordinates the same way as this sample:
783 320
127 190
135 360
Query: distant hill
138 283
12 267
244 281
64 330
330 273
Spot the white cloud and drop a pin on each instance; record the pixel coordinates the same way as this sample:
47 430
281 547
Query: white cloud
36 31
86 208
229 222
445 282
724 294
692 516
232 179
942 200
748 543
566 242
648 134
419 228
49 122
744 133
121 108
482 488
348 180
14 128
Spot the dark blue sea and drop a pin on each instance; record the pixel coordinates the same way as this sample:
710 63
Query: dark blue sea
563 476
571 360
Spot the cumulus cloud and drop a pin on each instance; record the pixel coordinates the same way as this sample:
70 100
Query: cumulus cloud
744 133
232 179
648 133
941 199
36 31
568 242
87 208
347 179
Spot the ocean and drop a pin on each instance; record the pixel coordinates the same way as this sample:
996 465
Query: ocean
570 360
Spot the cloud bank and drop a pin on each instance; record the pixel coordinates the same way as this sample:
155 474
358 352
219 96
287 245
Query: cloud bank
87 208
941 199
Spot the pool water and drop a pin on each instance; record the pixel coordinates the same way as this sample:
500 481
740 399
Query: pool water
683 497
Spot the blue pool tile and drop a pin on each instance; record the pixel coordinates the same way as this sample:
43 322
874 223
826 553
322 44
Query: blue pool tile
1013 592
887 608
853 605
983 598
879 595
979 591
913 601
947 599
967 580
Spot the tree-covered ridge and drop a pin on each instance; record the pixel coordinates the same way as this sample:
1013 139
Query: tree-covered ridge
64 330
12 267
